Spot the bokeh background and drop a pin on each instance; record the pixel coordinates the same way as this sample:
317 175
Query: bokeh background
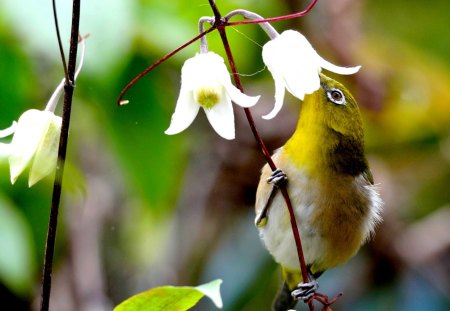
142 209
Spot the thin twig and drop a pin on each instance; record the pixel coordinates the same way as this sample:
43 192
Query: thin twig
121 101
58 35
220 23
276 19
56 195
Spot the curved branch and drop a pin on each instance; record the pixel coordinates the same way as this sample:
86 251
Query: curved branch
121 101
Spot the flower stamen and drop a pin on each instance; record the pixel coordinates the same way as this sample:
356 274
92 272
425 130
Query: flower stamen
207 97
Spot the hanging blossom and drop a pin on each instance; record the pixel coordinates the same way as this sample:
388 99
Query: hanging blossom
206 83
34 145
295 66
36 138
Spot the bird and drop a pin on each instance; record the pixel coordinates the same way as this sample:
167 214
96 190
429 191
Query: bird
327 176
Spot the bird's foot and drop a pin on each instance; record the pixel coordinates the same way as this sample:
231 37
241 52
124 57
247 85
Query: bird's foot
324 300
305 291
278 178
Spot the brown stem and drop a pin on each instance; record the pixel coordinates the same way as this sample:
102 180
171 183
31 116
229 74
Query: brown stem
120 100
56 195
278 18
58 36
221 28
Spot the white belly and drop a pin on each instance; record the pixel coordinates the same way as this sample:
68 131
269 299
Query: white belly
277 233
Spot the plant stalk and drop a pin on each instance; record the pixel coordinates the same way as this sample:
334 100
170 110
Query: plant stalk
220 25
56 195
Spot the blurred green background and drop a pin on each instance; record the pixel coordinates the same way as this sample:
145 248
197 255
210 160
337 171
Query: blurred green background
142 209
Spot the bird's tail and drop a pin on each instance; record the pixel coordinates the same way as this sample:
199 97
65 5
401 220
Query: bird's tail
284 300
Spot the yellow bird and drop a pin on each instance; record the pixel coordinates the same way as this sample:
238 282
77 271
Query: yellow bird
328 179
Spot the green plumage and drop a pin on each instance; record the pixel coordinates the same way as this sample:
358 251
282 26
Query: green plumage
329 183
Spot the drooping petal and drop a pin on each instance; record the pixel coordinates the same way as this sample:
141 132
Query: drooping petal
337 69
193 72
291 58
30 128
280 88
238 97
185 112
44 162
234 93
221 118
301 79
201 71
303 83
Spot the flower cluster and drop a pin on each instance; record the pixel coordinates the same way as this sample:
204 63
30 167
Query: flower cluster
206 83
35 141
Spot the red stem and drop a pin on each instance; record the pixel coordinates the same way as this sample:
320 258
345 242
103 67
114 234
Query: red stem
221 28
276 19
218 18
157 63
220 25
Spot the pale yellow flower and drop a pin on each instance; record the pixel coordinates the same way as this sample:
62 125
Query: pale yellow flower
206 83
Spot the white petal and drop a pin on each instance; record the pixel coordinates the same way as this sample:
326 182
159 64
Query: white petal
303 83
238 97
191 73
223 77
201 71
8 131
44 162
280 87
292 59
185 112
337 69
221 118
30 128
302 79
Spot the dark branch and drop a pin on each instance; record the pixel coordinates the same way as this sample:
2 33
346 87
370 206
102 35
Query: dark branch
56 196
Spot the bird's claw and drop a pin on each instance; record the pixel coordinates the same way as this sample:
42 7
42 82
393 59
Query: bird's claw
305 291
278 178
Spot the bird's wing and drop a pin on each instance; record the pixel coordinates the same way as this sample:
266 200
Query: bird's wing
263 194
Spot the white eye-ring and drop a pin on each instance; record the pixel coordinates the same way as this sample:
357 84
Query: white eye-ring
336 96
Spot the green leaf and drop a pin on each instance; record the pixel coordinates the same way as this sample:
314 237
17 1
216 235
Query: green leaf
172 298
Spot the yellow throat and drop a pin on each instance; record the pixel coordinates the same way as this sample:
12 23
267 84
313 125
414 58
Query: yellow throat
329 136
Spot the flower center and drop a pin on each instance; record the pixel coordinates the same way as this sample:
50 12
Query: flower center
207 97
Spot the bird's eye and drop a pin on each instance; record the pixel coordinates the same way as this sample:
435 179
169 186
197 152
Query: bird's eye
336 96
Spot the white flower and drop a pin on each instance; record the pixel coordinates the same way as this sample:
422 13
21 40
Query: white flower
34 144
206 83
36 137
295 66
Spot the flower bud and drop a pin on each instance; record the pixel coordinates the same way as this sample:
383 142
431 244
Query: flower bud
35 145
